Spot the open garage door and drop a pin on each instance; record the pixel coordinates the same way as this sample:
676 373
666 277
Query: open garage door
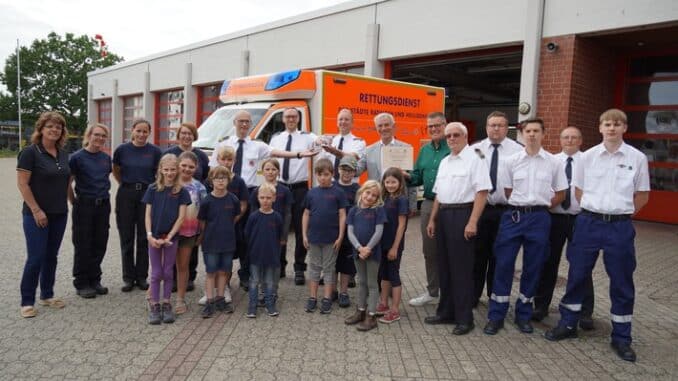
476 83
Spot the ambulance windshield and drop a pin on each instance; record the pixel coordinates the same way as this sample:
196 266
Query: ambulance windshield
219 125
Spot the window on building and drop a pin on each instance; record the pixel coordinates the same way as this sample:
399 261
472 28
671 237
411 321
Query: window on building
169 114
104 116
208 101
132 109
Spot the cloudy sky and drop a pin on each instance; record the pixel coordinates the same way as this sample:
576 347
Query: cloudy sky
136 28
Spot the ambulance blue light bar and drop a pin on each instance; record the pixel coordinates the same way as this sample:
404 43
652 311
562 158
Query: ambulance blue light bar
281 79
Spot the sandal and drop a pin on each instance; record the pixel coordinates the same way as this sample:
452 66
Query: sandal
180 307
28 312
52 302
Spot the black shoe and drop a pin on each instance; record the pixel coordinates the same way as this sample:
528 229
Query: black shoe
299 279
100 290
434 320
524 326
190 286
624 351
87 292
492 327
539 314
127 286
560 333
586 323
462 329
142 284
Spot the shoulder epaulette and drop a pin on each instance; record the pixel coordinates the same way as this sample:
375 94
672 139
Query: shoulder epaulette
479 153
303 132
224 138
357 138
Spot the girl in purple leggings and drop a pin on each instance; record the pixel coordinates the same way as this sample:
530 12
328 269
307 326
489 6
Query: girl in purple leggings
166 202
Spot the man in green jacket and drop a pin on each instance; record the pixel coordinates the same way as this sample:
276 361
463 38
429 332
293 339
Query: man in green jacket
424 173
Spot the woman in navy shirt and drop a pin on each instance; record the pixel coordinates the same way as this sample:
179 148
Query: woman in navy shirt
134 167
90 168
42 179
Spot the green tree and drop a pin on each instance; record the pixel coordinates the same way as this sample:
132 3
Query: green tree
53 78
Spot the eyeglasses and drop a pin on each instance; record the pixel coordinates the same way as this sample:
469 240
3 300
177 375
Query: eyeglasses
437 125
243 121
496 126
453 135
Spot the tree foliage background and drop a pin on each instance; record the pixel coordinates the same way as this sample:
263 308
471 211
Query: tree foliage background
53 78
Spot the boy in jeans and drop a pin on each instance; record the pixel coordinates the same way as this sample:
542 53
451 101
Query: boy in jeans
323 225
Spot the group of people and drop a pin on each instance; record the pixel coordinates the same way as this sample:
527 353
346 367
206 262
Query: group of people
482 203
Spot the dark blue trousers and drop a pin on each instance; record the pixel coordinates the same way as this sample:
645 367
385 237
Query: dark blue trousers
516 229
562 228
90 237
42 245
616 239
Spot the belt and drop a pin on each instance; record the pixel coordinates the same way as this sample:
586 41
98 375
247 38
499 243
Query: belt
496 206
135 186
607 217
456 206
300 184
529 209
93 201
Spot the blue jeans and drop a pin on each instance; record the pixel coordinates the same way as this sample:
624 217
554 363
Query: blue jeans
42 245
265 275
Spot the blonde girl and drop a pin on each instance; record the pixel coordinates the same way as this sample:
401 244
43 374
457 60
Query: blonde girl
166 202
365 227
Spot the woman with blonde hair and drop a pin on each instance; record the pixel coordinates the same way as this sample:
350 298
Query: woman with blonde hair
90 170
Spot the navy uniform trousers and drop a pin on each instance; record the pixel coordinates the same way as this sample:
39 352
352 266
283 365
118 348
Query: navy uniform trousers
90 238
531 230
562 228
616 239
455 265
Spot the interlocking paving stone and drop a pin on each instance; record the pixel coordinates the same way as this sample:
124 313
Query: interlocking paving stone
108 337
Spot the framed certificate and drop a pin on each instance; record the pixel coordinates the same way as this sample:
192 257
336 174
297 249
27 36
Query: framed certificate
397 156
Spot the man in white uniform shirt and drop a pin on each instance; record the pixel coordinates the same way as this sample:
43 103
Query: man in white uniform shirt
461 187
496 148
250 152
295 174
612 184
533 181
562 227
345 143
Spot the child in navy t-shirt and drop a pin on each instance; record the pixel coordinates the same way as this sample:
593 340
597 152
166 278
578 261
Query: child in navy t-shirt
323 225
345 266
166 202
218 215
396 205
264 237
365 227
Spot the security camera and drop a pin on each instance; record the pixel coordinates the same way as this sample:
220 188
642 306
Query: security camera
551 47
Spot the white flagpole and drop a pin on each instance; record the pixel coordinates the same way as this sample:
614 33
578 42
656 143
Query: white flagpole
18 90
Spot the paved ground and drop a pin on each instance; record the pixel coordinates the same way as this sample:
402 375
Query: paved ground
108 338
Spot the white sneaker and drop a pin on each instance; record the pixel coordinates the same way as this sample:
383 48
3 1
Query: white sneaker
422 299
227 294
203 300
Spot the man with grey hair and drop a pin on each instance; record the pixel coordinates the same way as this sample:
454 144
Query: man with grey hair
371 159
461 188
